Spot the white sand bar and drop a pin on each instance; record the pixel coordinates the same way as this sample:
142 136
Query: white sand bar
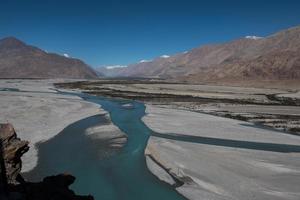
220 158
40 113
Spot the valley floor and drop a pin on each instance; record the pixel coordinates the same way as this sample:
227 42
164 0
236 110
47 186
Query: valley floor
217 142
204 142
276 108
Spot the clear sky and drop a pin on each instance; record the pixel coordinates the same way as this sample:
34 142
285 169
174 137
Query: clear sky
119 32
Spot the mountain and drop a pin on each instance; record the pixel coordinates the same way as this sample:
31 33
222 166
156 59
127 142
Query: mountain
276 57
111 71
19 60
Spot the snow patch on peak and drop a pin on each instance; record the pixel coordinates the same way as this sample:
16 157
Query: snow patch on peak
253 37
115 66
143 61
164 56
66 55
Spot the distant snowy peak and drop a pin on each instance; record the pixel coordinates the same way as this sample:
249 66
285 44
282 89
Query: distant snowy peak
164 56
115 66
253 37
143 61
66 55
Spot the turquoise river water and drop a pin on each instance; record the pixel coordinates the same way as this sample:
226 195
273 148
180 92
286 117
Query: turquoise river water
118 176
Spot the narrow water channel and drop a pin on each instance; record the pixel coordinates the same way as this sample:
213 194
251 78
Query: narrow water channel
121 176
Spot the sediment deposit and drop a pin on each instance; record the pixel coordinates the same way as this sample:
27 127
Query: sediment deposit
220 158
39 113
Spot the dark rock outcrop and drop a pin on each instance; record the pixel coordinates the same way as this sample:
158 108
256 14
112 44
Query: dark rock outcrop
51 188
14 187
12 150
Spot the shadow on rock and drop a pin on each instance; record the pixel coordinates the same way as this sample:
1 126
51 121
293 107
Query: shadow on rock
12 184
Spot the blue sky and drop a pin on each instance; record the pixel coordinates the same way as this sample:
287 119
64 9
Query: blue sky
119 32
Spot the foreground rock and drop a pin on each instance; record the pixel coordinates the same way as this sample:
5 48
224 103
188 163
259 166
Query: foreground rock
51 187
11 150
13 186
209 157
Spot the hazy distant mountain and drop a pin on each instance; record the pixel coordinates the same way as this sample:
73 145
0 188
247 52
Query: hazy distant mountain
111 71
19 60
276 57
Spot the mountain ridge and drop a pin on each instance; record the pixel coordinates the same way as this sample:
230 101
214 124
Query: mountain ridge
19 60
275 57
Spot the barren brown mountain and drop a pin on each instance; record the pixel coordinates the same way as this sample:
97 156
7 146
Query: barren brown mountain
273 58
19 60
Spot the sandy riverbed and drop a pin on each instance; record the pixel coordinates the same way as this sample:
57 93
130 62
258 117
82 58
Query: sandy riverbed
276 108
220 158
40 113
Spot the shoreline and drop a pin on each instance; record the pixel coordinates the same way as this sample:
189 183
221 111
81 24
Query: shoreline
108 131
39 113
217 170
276 108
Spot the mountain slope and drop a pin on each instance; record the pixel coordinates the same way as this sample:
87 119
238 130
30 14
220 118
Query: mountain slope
276 57
19 60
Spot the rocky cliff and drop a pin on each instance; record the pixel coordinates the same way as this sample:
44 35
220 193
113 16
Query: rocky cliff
12 150
14 187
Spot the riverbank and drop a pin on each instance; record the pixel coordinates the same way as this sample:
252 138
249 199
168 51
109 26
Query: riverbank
221 158
211 157
39 113
278 108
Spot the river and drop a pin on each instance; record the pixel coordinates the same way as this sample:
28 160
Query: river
122 175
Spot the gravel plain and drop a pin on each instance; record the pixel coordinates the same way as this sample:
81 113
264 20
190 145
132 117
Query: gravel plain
221 158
